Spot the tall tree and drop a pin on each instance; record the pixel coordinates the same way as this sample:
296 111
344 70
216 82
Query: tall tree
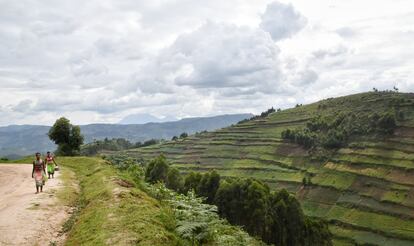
67 136
208 186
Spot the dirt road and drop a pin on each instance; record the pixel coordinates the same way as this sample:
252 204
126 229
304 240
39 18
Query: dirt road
27 218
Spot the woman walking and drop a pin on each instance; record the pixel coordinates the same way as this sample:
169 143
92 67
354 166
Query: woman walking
38 173
51 164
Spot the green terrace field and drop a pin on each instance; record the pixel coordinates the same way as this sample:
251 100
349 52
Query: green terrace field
365 190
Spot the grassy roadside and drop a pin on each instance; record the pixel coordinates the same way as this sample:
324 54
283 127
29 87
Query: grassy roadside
109 210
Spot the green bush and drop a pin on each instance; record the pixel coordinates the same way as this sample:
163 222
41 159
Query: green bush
191 182
208 186
300 136
114 144
276 217
174 180
334 131
198 222
157 170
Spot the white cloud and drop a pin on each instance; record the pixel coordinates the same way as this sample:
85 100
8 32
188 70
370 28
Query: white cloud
98 61
226 56
282 20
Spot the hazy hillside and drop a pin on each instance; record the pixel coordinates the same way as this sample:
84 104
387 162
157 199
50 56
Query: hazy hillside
26 139
144 118
364 188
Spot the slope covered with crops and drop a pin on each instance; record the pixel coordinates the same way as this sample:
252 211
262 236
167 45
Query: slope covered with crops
353 171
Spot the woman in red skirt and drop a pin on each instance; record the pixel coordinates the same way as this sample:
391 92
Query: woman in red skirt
39 173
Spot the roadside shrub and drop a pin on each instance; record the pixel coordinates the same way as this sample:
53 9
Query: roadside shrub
198 222
124 162
191 182
157 170
174 180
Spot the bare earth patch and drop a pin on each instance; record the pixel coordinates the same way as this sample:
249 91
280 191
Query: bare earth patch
27 218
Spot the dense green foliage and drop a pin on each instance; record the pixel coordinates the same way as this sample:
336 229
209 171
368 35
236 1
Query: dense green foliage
191 181
205 185
199 222
114 144
334 131
208 186
157 170
67 136
196 222
275 217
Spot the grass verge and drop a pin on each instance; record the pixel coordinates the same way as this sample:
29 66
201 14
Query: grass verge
111 212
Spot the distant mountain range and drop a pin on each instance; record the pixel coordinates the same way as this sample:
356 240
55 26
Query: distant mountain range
145 118
19 140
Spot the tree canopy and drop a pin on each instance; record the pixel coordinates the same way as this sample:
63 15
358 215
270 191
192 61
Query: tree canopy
68 137
274 216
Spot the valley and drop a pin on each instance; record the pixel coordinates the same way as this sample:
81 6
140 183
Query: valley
20 140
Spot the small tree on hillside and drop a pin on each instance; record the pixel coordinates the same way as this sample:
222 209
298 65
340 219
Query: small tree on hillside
191 181
174 179
395 89
387 123
157 170
208 186
67 136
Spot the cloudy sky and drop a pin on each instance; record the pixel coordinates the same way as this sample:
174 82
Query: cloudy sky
101 60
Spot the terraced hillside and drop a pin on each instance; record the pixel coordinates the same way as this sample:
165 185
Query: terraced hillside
365 190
